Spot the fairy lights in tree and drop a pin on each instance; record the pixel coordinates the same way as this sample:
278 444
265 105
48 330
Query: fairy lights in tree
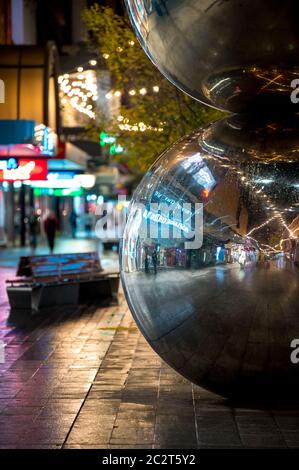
80 91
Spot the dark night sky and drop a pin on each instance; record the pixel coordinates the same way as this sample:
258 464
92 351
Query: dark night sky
54 19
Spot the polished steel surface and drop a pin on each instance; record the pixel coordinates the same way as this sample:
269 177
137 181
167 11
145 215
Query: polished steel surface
223 314
235 55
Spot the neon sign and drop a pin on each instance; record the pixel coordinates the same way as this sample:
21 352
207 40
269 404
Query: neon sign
46 140
23 170
116 149
58 192
106 139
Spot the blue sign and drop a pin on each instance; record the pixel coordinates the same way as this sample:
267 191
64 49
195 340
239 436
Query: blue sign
16 131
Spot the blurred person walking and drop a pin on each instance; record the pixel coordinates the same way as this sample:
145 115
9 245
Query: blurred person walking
73 221
155 260
50 226
33 224
88 224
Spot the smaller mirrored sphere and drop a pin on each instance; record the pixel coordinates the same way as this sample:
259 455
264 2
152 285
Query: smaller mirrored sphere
210 257
235 55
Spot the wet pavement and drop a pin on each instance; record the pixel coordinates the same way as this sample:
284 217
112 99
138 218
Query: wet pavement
84 377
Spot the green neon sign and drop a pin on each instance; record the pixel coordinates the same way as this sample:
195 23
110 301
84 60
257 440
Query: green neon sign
116 149
59 192
106 139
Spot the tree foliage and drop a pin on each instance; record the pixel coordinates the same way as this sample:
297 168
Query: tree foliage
113 40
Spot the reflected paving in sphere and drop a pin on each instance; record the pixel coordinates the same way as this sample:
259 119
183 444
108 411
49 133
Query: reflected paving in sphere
224 313
235 55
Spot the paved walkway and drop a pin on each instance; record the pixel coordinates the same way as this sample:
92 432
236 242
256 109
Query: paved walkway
86 378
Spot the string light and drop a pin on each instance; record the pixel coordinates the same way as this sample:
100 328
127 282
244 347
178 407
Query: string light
243 178
132 92
126 126
79 89
262 225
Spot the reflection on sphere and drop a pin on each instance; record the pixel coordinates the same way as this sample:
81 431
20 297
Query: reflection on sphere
224 313
235 55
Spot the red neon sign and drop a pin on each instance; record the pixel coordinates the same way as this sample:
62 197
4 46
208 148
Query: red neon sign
27 169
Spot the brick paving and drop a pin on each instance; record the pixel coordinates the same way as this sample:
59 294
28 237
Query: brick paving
86 378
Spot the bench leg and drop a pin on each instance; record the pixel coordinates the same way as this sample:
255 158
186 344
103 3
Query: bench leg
50 296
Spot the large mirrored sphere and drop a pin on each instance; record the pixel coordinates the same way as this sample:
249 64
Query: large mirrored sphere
235 55
210 257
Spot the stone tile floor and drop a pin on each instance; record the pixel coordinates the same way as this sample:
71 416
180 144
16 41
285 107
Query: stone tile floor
86 378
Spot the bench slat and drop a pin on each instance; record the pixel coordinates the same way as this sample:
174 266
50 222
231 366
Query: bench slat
59 265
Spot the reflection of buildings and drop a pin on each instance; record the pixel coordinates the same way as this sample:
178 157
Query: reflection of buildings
248 208
189 182
289 241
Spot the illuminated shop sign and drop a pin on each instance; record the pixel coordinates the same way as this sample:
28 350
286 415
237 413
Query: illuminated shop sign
46 140
116 149
60 175
68 192
23 169
85 181
56 184
58 192
20 150
44 144
106 139
53 182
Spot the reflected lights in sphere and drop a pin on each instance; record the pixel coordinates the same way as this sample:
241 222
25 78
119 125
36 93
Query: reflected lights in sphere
211 51
216 310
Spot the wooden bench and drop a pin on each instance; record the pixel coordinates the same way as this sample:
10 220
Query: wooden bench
46 281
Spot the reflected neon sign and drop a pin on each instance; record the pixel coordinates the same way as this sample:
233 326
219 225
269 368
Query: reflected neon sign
161 219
